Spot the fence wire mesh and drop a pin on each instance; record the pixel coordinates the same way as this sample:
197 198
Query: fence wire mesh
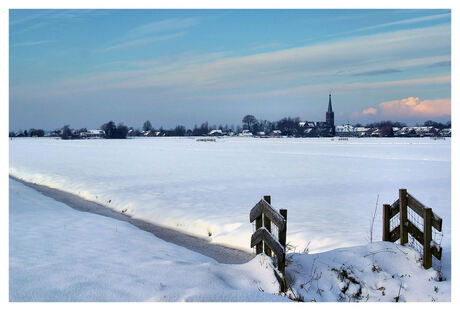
417 221
394 222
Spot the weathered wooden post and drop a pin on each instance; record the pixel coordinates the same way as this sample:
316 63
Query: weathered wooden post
403 237
282 259
259 246
268 226
427 231
263 235
386 222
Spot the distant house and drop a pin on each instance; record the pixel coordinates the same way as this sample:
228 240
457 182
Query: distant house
215 133
346 130
275 133
246 133
445 133
92 134
417 131
309 128
151 133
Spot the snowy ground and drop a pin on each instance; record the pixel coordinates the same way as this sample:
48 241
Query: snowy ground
381 271
60 254
329 187
208 188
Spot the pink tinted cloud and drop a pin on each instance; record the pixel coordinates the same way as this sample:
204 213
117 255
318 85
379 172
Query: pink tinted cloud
369 111
414 107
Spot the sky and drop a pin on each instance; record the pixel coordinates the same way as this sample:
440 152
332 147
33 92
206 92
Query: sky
86 67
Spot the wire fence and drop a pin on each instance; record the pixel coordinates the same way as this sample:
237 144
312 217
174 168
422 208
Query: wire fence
415 219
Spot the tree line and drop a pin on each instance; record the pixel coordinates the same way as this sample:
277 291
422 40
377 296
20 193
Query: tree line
287 126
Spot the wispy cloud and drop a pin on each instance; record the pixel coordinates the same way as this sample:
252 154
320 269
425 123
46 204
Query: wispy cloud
441 64
137 42
278 70
30 43
407 21
306 90
164 25
37 18
377 72
152 32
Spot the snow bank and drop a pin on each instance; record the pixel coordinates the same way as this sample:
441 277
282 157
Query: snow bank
379 271
60 254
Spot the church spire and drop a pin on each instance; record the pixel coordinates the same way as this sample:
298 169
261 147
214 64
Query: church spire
330 117
329 108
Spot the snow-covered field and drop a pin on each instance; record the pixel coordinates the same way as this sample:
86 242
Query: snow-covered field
60 254
329 187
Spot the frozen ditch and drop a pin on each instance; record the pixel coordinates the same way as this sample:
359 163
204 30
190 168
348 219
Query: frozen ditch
220 253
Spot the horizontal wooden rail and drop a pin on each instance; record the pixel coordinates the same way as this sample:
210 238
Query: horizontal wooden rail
394 209
394 234
418 208
415 232
263 207
262 234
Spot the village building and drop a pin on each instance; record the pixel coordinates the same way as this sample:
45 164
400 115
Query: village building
92 134
216 133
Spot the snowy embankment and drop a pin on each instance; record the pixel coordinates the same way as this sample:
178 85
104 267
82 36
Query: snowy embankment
208 188
60 254
380 271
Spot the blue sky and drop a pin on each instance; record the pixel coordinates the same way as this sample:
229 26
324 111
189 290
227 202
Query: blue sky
85 67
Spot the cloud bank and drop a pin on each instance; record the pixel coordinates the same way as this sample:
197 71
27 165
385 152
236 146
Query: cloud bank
412 107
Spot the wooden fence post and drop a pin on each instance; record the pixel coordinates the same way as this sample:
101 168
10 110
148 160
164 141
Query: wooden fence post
386 222
427 222
268 226
403 237
282 240
259 246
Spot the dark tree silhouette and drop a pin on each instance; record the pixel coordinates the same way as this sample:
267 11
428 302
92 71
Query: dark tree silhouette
66 132
114 132
249 121
147 126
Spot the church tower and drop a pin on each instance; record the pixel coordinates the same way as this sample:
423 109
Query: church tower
330 116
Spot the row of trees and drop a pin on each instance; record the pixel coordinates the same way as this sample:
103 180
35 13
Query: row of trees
31 133
288 126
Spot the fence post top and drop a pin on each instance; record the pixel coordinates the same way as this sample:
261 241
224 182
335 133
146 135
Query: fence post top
267 198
